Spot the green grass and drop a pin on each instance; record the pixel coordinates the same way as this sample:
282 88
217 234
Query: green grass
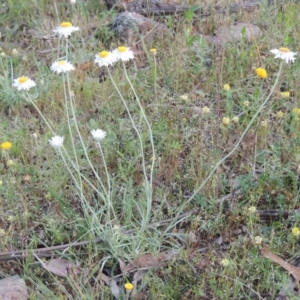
41 206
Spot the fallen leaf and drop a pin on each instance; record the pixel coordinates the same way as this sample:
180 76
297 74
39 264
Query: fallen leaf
111 283
150 260
138 276
122 265
287 266
12 288
58 266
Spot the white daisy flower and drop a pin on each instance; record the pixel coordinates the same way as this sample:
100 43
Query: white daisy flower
56 141
105 58
98 134
61 66
123 53
65 29
23 83
285 54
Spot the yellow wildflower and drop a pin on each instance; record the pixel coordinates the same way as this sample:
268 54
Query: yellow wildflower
261 73
6 145
279 114
225 121
295 231
258 240
226 87
225 262
128 286
246 103
235 119
205 110
285 94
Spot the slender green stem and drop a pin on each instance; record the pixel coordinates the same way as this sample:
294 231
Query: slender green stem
149 188
133 125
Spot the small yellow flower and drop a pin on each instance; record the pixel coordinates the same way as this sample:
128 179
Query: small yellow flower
295 231
153 51
10 218
225 121
252 209
1 182
3 54
285 94
246 103
184 97
225 262
296 111
264 123
226 87
235 119
279 114
128 286
10 162
6 145
261 73
206 110
15 52
258 240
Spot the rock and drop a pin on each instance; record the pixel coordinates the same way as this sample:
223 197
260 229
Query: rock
131 27
13 288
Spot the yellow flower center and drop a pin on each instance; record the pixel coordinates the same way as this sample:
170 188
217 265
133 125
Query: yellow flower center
103 54
284 50
66 24
23 79
153 50
122 49
61 62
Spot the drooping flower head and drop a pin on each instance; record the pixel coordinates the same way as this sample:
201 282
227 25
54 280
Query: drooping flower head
61 66
123 53
285 54
98 134
56 141
65 29
153 51
23 83
105 58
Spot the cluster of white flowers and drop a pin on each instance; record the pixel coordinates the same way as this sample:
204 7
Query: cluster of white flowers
57 141
107 58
